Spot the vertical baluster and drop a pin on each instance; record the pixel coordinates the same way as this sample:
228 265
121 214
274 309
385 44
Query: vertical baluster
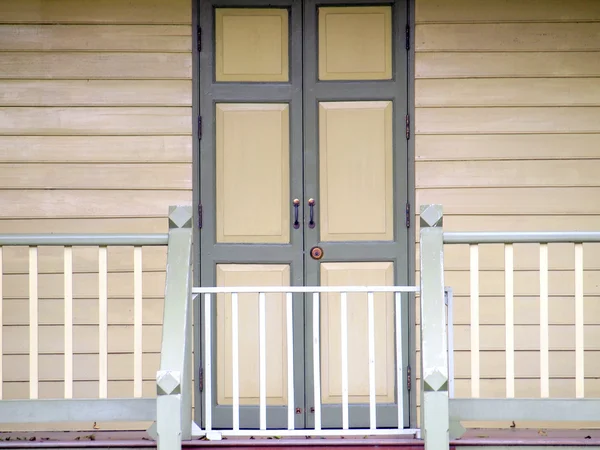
235 363
579 323
372 396
544 329
68 282
290 359
398 334
262 375
1 323
474 275
316 359
137 321
344 328
207 362
509 320
33 323
103 321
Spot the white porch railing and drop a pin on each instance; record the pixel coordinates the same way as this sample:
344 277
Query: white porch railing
313 294
32 409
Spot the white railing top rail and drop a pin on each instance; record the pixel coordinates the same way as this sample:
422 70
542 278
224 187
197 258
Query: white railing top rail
521 237
301 289
83 239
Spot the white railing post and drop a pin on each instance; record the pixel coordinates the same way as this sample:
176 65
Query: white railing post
174 378
434 357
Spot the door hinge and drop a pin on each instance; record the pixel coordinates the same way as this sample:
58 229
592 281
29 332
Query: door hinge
199 127
407 37
199 216
407 127
201 379
407 217
199 39
408 379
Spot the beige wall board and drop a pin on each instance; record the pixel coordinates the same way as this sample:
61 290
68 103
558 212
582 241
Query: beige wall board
525 201
561 338
19 390
561 283
507 120
508 92
561 310
147 176
95 93
96 11
88 225
506 11
566 173
96 149
85 339
85 311
96 65
95 121
85 285
508 222
134 38
85 259
85 367
506 64
500 37
526 257
535 147
76 204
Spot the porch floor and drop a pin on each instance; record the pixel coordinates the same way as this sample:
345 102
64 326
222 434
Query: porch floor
139 439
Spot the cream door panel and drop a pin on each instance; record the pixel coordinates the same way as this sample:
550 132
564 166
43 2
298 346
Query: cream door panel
357 274
356 171
252 275
355 43
251 44
252 173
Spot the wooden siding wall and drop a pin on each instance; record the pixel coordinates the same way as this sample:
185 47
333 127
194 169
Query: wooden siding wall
508 138
95 136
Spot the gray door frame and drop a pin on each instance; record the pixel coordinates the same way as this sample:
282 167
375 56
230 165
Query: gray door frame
205 93
316 91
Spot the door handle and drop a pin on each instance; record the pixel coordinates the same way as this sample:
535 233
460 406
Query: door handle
311 205
296 205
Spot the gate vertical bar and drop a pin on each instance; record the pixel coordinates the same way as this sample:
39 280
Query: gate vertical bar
434 348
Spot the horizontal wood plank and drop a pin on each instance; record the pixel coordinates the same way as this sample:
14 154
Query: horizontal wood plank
85 259
95 93
497 37
535 147
85 311
506 11
507 64
513 201
85 339
148 176
96 11
96 149
134 38
452 174
508 92
85 367
95 65
90 225
95 121
19 390
89 204
507 120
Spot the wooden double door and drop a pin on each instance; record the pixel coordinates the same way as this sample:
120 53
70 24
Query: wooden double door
304 182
